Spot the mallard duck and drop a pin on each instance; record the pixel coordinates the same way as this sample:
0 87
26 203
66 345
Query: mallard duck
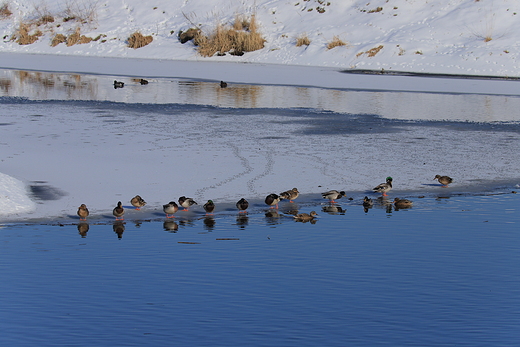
367 202
384 187
402 203
186 202
290 194
83 212
223 84
118 84
137 202
333 195
170 209
119 211
305 216
273 200
444 180
242 205
143 81
209 207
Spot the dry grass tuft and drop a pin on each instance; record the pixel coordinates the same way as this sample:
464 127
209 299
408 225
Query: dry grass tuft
23 36
372 52
336 42
57 39
137 40
241 37
77 39
302 40
190 34
4 11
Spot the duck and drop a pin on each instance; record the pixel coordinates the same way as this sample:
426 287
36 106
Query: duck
118 84
444 180
290 194
402 203
273 200
186 202
83 212
137 202
333 195
119 211
170 209
223 84
383 188
367 202
304 217
209 207
242 205
143 81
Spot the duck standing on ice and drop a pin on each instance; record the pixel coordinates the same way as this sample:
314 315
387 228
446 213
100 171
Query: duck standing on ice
383 188
444 180
186 202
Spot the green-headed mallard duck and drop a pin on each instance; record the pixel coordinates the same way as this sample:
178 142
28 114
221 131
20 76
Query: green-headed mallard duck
383 188
333 195
273 200
242 205
444 180
209 207
170 209
186 202
137 202
402 203
83 212
305 216
119 211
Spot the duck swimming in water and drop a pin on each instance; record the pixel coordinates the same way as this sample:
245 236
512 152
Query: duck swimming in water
402 203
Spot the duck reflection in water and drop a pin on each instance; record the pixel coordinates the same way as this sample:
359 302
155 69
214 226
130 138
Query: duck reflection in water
119 228
170 226
209 223
272 217
242 220
83 229
333 209
367 204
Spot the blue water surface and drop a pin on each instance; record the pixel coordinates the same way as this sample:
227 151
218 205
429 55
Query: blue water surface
443 273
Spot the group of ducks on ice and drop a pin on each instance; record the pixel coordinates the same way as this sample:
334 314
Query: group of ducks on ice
271 200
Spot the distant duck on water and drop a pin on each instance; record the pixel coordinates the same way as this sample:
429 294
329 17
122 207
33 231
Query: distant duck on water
118 84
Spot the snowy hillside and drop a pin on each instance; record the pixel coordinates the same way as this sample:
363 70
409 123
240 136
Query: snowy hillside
442 36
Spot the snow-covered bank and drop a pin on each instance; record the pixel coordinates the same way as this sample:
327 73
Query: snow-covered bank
14 196
442 36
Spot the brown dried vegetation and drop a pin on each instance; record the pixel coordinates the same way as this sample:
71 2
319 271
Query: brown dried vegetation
302 40
4 11
138 40
336 42
23 35
241 37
